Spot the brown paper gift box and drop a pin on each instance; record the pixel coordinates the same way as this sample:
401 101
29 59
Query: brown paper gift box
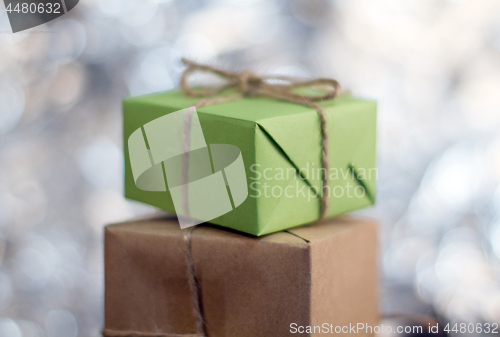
250 286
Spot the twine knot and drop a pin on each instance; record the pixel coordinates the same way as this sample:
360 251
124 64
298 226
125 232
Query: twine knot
248 83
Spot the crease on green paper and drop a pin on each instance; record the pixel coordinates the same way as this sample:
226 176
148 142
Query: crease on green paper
264 229
369 194
349 167
273 141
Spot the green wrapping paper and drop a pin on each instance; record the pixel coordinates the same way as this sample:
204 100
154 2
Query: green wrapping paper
280 143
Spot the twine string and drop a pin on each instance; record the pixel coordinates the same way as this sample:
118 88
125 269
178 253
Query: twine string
248 84
194 289
194 286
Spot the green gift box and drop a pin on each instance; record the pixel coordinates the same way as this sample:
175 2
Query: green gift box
280 144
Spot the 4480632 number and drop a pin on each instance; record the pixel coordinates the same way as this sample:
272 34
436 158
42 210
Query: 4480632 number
41 7
471 328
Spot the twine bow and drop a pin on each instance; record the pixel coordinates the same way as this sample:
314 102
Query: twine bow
248 84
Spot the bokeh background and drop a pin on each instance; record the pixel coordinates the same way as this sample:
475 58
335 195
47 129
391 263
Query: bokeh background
433 66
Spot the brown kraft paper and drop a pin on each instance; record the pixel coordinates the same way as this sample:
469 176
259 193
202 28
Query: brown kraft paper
319 274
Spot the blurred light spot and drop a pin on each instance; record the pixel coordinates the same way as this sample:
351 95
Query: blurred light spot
67 41
101 163
481 101
71 252
139 13
255 26
151 73
35 266
37 262
6 205
414 150
195 47
218 26
106 206
101 47
427 284
401 259
30 203
5 290
11 106
496 201
9 328
29 329
4 22
146 33
112 7
461 263
55 292
2 248
494 161
291 70
312 12
60 323
456 305
455 178
245 2
496 37
491 309
154 68
68 84
495 239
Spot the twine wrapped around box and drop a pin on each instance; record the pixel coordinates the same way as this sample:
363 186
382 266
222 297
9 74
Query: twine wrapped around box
246 84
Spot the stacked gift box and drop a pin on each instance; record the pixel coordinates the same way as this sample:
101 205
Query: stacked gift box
264 265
